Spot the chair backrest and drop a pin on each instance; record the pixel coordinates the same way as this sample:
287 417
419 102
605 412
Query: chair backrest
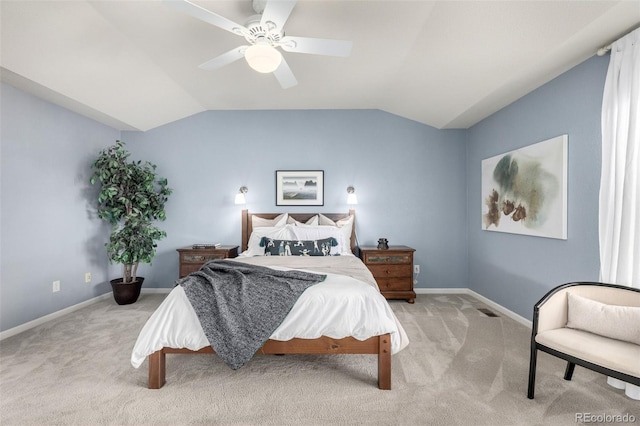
551 311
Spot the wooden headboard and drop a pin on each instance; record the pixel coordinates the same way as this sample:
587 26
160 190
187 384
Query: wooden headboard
301 217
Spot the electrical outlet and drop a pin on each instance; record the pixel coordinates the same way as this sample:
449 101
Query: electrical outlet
416 269
87 277
56 286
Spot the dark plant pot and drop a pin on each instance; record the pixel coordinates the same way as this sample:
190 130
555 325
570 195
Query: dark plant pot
126 294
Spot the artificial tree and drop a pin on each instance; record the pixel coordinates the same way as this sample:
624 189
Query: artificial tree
131 198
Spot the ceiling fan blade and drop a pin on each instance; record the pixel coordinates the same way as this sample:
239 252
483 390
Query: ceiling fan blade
316 46
224 59
277 11
285 76
205 15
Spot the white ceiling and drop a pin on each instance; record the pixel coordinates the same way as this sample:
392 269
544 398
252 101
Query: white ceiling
448 64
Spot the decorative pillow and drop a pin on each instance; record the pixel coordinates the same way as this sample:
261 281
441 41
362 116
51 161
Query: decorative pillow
345 225
274 247
279 232
260 222
614 321
309 232
312 221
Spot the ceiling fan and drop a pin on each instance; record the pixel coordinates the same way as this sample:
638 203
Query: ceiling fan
264 33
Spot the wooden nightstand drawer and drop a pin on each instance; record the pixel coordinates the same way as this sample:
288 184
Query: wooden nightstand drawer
191 259
201 258
373 258
393 270
396 284
186 269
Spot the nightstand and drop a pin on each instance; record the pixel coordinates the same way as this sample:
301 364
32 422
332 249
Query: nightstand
393 270
192 259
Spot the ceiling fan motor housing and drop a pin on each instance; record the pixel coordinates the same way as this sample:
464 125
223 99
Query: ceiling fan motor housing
258 33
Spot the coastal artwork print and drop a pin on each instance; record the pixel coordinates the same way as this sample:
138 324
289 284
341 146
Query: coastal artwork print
525 191
299 187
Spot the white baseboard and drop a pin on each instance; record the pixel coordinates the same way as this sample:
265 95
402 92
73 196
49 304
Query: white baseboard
38 321
458 290
504 311
156 290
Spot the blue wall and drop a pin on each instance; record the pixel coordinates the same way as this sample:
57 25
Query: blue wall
47 231
513 270
409 179
416 186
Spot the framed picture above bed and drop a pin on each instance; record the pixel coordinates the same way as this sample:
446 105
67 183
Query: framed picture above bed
299 187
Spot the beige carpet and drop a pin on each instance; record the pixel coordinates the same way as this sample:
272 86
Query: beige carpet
461 368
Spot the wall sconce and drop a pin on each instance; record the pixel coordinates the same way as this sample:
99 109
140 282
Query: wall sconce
240 198
352 200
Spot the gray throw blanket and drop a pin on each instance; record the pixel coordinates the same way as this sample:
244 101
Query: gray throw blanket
240 305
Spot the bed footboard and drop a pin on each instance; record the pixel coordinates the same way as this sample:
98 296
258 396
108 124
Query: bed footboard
377 345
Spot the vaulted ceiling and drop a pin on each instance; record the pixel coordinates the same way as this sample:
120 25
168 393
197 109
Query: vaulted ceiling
447 64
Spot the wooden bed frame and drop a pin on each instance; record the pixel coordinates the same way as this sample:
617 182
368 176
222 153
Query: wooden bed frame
380 345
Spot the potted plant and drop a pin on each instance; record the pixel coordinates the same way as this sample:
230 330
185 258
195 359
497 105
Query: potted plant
131 198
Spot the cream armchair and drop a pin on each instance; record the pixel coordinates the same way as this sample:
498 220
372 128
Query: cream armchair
594 325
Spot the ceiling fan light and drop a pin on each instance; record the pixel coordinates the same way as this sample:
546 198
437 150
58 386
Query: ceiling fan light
263 58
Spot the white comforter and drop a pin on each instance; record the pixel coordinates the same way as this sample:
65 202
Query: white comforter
338 307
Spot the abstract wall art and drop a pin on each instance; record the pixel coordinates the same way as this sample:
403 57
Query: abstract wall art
525 191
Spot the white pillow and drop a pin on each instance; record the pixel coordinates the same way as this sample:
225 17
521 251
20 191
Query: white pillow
313 220
260 222
616 322
309 232
279 232
345 225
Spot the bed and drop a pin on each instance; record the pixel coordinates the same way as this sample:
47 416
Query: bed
348 288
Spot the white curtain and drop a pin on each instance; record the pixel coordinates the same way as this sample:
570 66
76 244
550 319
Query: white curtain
620 181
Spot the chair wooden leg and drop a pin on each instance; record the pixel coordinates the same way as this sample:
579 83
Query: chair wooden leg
532 371
384 362
568 373
157 363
